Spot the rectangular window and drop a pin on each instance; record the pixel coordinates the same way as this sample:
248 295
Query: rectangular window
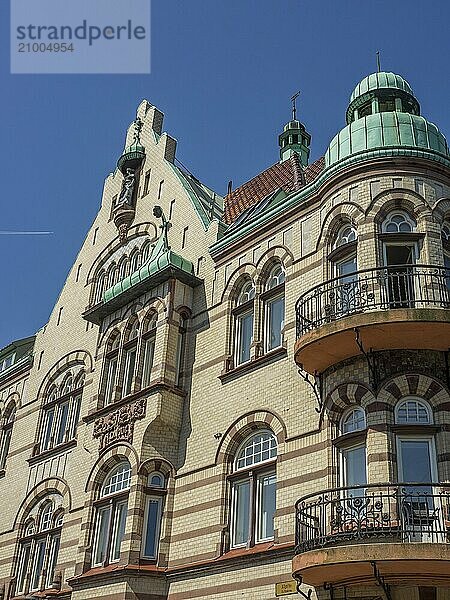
274 323
101 542
23 567
241 512
149 351
416 463
52 560
110 380
118 529
354 468
244 331
47 437
61 428
152 526
146 182
130 361
39 555
266 506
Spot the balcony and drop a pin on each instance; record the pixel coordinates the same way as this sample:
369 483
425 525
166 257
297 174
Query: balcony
399 531
401 306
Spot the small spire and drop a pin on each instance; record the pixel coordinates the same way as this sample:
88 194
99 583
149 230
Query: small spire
378 62
294 105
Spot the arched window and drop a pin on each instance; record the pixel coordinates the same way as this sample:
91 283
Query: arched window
445 232
416 454
6 433
398 222
253 490
61 412
111 514
412 411
243 323
345 235
39 547
354 420
111 272
123 268
353 467
110 369
154 503
135 261
274 308
129 357
100 288
146 251
445 236
148 347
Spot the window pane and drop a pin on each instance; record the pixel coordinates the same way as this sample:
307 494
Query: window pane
129 371
149 351
23 567
102 535
241 508
63 413
110 380
4 449
75 416
260 447
355 467
266 508
46 440
52 560
118 479
153 525
39 556
120 517
245 334
415 461
275 322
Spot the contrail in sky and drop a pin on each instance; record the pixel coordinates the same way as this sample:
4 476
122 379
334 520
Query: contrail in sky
26 232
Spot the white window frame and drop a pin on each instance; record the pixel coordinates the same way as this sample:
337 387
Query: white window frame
238 335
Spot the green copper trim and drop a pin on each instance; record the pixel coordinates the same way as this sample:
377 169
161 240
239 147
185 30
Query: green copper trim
381 80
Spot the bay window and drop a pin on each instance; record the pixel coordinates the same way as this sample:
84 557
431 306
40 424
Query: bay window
61 413
253 490
111 514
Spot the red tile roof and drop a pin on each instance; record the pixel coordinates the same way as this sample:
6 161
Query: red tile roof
287 175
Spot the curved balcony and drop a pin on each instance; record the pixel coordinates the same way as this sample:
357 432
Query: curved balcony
391 308
345 535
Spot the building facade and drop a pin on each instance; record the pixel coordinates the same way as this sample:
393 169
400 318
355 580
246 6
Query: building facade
244 397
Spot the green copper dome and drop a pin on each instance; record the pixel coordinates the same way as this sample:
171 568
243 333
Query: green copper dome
383 118
381 80
386 130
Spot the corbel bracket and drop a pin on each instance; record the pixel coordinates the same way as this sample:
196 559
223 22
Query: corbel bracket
370 358
306 596
380 581
316 384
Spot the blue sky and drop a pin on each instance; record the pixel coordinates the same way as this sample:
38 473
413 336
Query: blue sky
222 72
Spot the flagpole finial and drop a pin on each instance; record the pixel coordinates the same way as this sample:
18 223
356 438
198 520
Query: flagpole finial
378 61
294 105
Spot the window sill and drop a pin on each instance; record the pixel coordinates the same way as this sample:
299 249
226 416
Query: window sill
269 357
52 452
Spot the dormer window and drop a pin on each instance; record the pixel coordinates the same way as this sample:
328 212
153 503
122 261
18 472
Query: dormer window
6 362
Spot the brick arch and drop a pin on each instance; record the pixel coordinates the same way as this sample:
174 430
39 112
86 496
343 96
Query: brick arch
441 210
415 384
76 358
107 460
52 485
155 303
273 256
13 398
247 270
345 212
157 464
243 427
398 198
148 230
345 395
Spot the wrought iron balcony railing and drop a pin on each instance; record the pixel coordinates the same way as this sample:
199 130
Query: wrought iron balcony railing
399 286
400 512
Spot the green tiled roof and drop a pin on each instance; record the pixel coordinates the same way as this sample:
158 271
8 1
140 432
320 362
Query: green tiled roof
381 80
383 130
162 262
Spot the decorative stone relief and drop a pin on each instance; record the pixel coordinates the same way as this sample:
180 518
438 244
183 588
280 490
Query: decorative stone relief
119 425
